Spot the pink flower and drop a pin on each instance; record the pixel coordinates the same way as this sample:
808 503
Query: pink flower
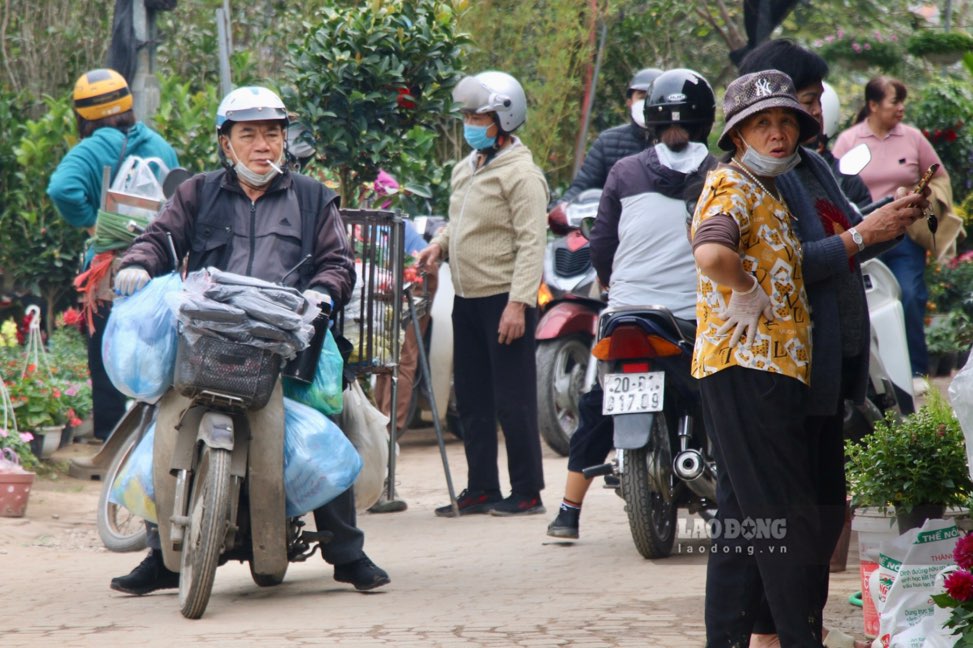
3 433
867 46
26 437
841 33
857 48
71 391
959 585
829 39
963 552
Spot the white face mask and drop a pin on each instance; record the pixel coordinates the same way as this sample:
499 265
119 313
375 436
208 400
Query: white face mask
638 112
252 178
766 165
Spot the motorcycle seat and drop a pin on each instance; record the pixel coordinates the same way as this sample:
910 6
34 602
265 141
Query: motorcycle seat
651 319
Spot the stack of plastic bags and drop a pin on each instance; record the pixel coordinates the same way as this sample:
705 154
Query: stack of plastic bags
244 310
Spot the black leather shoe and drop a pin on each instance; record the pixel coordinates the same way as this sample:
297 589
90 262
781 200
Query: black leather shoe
362 573
149 576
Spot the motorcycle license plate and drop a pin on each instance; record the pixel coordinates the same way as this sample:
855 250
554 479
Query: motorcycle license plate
632 393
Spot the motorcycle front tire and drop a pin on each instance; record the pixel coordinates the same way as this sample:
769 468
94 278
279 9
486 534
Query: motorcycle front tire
651 516
119 530
204 537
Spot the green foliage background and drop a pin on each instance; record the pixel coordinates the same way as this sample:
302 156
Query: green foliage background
550 45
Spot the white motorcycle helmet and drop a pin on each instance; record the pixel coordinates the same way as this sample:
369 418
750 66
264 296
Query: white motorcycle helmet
250 103
496 92
830 111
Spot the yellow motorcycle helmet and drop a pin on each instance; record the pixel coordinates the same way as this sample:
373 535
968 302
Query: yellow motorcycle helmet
101 93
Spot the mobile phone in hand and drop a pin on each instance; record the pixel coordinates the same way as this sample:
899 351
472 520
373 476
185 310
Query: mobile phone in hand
926 177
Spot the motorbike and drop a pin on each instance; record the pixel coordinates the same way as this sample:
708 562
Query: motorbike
663 457
569 299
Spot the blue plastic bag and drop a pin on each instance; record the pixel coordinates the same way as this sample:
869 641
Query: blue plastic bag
139 347
319 461
133 487
324 393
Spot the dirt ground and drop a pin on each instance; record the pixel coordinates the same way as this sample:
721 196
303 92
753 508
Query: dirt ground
472 581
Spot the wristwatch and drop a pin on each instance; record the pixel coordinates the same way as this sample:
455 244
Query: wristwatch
857 238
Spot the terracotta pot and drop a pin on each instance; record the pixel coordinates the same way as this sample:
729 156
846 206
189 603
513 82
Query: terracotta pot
14 491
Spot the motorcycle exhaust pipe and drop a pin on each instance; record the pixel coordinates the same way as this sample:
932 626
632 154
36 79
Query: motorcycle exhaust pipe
691 468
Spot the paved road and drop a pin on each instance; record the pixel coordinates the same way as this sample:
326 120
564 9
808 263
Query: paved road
473 581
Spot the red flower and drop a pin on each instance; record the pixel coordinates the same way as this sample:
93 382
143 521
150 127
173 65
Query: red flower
959 585
963 552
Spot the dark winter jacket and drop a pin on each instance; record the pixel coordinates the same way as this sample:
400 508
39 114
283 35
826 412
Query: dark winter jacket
610 147
260 239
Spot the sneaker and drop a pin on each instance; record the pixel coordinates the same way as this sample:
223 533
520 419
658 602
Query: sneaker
362 573
149 576
518 505
565 525
471 502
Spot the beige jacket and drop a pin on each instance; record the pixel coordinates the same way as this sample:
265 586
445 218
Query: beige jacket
497 229
950 229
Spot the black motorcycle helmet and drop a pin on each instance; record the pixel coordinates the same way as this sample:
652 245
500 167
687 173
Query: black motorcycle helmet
683 97
641 80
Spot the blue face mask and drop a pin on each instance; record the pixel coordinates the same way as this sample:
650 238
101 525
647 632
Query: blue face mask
476 136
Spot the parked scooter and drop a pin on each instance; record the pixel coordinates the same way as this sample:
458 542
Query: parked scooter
570 300
663 458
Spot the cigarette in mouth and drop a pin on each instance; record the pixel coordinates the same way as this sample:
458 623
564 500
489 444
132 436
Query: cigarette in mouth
274 166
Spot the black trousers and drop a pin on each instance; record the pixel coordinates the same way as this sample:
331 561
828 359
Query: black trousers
338 516
768 540
494 382
594 438
108 404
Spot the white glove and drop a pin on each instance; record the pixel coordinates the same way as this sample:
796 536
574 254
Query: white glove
317 297
744 311
131 279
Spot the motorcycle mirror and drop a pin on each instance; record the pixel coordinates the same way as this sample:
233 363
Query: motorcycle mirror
587 224
856 159
173 179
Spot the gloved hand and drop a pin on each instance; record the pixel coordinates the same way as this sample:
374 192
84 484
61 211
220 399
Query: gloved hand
318 297
131 279
744 311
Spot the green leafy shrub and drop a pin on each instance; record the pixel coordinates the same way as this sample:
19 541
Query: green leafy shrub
365 76
943 112
928 41
876 50
918 460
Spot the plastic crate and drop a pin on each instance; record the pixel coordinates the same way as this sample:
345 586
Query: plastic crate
205 363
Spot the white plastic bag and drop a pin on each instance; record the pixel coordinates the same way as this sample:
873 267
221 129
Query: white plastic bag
136 176
909 568
365 426
961 398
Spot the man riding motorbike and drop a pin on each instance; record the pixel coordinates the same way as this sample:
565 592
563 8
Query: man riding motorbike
247 218
639 245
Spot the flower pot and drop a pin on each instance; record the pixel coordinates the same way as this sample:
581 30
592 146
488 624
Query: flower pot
46 440
962 358
947 363
943 58
14 491
918 515
933 363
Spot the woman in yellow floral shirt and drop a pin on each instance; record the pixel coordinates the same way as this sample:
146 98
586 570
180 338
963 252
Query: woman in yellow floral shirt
752 356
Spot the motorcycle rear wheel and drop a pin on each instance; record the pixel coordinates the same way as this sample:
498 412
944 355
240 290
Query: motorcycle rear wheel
204 537
561 366
651 513
119 529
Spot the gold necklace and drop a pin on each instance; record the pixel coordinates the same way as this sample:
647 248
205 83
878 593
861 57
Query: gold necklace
747 173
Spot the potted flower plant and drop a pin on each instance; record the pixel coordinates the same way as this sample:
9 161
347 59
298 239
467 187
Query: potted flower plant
39 408
861 51
916 464
942 47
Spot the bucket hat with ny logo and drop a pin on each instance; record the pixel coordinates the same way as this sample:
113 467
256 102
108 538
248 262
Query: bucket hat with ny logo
752 93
